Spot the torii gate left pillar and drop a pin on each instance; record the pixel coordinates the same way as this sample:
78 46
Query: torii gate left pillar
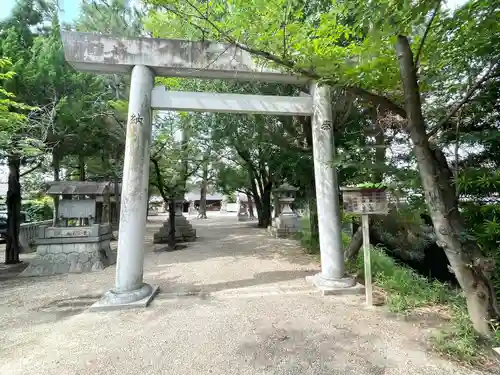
130 290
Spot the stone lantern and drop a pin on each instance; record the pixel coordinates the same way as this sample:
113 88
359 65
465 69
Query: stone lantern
287 222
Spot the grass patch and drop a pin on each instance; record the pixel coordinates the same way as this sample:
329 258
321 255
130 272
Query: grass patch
406 291
459 340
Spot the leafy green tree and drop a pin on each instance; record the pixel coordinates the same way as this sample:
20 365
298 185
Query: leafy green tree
174 160
22 133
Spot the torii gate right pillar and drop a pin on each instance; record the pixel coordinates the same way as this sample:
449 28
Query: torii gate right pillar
331 279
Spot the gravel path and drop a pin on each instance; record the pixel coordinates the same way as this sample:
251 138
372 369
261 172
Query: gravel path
234 302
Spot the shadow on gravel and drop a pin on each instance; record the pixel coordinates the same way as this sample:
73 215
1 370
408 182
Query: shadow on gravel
170 286
9 271
67 307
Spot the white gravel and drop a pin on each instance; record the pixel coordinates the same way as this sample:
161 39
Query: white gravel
234 302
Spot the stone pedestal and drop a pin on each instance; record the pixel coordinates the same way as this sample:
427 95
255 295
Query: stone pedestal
285 225
184 231
223 205
62 250
192 208
243 212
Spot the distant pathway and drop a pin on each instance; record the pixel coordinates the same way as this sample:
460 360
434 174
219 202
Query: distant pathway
234 302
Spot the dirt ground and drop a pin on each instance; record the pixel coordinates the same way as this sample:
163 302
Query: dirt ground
233 302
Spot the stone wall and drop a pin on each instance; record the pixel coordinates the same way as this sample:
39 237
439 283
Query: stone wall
71 258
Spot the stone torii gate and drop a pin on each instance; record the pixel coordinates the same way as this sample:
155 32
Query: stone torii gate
146 58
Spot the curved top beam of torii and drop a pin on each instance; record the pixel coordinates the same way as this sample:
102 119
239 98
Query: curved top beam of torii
103 54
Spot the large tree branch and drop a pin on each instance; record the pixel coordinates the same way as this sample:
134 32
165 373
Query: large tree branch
156 153
195 168
427 30
31 169
383 103
159 180
377 100
493 71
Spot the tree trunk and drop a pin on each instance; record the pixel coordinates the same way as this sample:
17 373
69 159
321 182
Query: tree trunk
265 217
378 175
263 205
185 136
470 267
171 216
13 245
147 206
56 174
250 207
355 244
313 210
81 168
203 193
311 189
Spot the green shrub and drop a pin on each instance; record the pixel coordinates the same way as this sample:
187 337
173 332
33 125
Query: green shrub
38 209
483 223
406 290
310 242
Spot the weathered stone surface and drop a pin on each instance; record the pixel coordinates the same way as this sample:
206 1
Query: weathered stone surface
285 225
75 267
166 57
70 258
42 249
163 99
286 221
97 266
184 231
56 248
83 257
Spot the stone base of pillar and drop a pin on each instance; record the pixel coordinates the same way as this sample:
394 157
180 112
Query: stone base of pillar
330 287
184 231
243 217
285 226
138 298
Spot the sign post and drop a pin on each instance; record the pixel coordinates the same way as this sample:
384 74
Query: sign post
366 201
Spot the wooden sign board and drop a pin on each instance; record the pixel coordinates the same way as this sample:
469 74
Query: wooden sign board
364 201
